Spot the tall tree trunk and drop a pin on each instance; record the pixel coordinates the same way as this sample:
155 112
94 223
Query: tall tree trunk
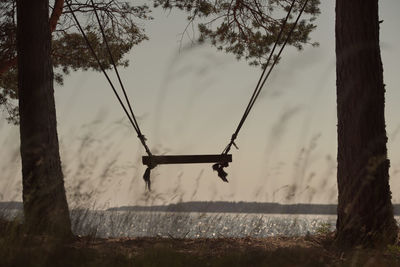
365 212
45 205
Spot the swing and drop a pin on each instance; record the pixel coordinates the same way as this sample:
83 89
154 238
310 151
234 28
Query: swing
220 161
185 159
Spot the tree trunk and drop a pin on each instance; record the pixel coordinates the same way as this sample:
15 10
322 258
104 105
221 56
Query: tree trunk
365 212
45 205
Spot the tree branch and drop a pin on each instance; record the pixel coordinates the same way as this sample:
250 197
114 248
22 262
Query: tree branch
5 66
54 18
56 14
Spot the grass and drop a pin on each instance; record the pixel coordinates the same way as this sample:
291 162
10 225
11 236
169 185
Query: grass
18 249
323 228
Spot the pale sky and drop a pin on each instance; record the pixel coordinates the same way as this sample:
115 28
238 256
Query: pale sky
189 100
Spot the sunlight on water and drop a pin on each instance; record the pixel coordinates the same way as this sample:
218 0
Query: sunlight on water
193 225
197 225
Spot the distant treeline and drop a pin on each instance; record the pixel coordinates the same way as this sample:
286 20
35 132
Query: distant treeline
11 205
224 206
236 207
242 207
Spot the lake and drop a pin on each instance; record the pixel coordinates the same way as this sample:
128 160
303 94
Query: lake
196 225
106 223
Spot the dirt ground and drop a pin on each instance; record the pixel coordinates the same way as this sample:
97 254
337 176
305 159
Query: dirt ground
319 250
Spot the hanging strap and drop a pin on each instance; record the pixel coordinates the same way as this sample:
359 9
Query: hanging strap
260 84
131 116
219 168
146 178
137 128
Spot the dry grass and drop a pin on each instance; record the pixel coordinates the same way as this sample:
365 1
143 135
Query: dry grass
17 249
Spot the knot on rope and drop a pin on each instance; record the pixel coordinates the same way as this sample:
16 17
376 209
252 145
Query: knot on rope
219 167
142 137
234 136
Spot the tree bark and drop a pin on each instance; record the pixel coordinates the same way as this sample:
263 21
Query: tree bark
365 212
45 205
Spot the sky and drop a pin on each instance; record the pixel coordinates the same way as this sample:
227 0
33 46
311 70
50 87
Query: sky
188 100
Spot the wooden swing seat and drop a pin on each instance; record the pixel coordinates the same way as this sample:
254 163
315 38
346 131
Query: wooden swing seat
185 159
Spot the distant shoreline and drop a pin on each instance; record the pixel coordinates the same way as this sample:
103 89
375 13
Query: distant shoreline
225 207
236 207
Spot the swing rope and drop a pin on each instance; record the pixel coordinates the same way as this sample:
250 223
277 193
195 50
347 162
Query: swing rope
131 116
140 135
219 167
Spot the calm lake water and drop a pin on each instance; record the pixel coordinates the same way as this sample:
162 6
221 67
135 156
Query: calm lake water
194 225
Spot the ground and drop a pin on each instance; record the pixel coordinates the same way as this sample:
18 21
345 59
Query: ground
17 249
